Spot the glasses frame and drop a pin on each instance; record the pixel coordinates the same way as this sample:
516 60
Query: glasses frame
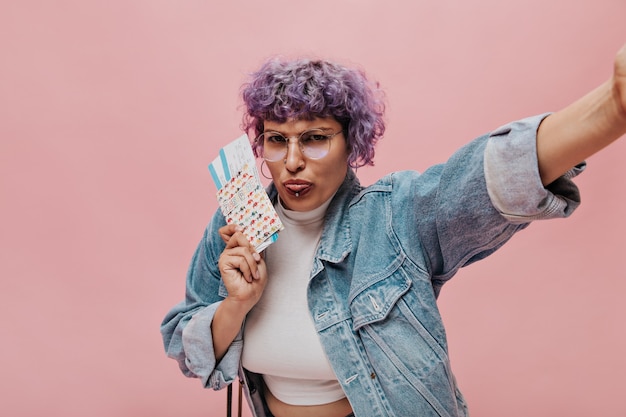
261 140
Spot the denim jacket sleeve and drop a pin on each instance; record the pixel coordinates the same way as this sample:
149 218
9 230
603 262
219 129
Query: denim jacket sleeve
186 329
513 180
469 206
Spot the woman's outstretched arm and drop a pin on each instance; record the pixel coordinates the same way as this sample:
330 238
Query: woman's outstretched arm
586 126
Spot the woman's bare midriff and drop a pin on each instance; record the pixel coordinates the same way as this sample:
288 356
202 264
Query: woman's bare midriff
340 408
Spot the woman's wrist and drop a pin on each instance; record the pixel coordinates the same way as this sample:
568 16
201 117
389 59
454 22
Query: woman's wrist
236 309
618 84
619 98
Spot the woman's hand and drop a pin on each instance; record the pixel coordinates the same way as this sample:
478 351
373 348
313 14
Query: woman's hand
242 268
244 274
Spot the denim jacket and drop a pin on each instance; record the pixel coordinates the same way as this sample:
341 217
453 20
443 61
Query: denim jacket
385 252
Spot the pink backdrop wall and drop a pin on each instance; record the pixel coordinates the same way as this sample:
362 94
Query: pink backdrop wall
110 112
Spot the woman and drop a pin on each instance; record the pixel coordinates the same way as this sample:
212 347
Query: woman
339 315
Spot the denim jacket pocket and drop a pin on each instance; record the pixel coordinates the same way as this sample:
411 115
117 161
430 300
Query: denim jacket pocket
398 329
374 301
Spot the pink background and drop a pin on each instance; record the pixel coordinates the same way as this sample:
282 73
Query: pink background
110 112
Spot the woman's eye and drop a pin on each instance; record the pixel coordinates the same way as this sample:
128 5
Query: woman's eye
314 137
275 138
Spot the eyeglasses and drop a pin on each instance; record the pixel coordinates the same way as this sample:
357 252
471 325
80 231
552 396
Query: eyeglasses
314 144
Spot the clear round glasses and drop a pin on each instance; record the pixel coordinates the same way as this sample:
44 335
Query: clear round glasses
314 144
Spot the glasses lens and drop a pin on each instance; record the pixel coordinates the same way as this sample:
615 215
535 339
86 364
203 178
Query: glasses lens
274 146
315 143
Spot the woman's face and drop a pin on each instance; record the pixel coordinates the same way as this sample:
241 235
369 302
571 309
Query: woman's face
304 184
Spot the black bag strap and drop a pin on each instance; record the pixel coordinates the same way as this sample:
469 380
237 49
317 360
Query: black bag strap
229 400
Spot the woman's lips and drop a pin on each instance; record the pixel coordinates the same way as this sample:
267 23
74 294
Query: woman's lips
297 188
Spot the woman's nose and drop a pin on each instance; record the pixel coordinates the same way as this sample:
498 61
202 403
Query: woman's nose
294 160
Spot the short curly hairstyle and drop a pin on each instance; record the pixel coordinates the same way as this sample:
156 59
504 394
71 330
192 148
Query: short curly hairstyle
305 89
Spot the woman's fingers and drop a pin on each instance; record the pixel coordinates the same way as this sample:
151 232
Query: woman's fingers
226 232
239 257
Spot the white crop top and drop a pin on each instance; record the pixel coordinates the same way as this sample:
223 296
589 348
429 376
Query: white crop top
280 340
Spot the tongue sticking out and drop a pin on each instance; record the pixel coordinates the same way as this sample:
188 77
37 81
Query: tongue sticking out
297 189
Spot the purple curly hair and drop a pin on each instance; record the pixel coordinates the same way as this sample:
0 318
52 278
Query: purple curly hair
305 89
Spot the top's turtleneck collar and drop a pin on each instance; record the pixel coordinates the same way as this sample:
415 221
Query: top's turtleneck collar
302 217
